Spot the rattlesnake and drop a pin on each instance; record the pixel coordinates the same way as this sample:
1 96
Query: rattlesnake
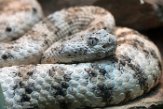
77 58
17 17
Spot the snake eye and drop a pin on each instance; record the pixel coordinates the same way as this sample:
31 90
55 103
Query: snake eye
8 29
92 41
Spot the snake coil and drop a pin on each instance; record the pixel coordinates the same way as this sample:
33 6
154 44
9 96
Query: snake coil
74 58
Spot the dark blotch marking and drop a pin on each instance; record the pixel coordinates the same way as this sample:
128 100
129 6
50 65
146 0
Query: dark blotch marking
4 57
19 74
146 52
56 32
70 22
15 87
125 58
136 43
69 33
91 72
75 52
30 73
28 90
133 42
104 92
123 34
51 72
34 10
160 65
25 98
67 77
122 62
64 84
8 29
46 42
153 53
139 73
21 84
45 35
59 90
139 42
105 28
13 38
103 71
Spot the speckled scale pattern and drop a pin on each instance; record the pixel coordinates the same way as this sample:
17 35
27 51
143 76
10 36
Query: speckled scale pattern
81 48
82 59
29 48
17 17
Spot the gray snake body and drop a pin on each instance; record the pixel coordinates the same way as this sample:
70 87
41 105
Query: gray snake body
82 59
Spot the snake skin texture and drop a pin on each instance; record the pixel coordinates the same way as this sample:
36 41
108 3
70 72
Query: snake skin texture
77 58
17 17
29 48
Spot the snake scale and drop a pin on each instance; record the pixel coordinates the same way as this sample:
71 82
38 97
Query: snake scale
74 58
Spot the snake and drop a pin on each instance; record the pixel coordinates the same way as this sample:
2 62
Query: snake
17 17
76 58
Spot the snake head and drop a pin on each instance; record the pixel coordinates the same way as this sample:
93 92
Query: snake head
4 30
17 17
100 38
85 48
9 28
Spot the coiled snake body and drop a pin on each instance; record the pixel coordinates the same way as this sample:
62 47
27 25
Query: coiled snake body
82 59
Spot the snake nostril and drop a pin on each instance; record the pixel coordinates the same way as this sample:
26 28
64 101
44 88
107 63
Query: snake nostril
105 28
34 10
106 45
8 29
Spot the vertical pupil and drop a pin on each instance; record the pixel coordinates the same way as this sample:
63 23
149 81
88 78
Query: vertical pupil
92 41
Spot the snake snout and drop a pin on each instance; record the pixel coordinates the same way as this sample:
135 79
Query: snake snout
101 37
